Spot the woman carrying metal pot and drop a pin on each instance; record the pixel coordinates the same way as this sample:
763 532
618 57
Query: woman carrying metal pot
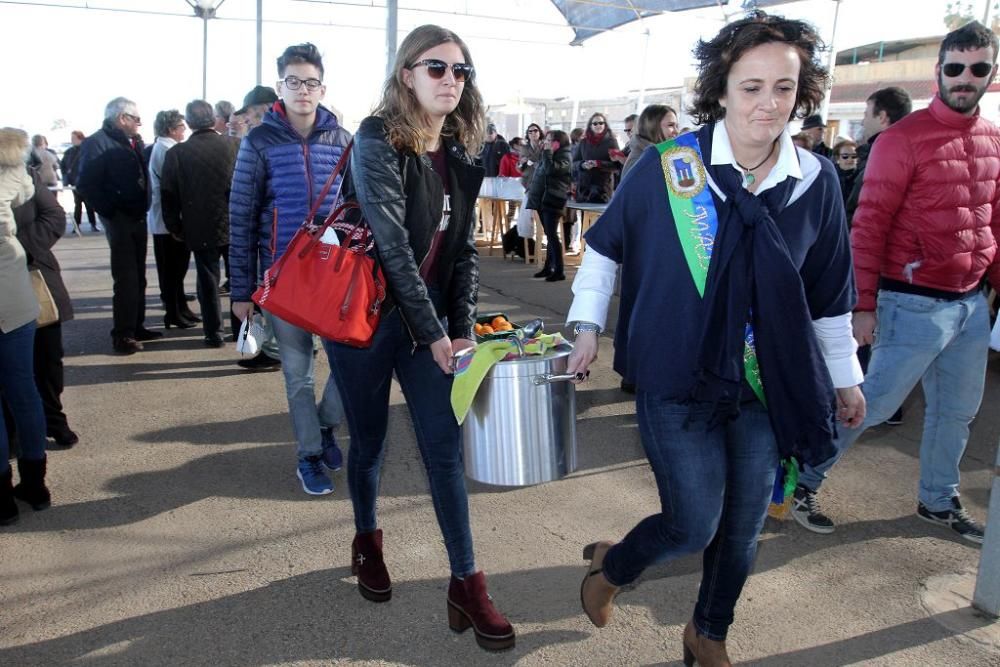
738 240
412 176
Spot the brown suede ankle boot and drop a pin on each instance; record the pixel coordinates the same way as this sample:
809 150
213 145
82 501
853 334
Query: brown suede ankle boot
705 652
469 605
597 594
31 489
367 565
8 507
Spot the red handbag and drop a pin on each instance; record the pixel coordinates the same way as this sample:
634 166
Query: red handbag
333 291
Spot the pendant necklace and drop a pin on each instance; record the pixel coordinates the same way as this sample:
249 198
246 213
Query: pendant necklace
748 177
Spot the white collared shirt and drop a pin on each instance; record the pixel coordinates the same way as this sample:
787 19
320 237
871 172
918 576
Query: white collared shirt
594 284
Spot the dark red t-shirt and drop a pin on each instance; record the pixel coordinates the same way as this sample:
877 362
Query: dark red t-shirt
428 269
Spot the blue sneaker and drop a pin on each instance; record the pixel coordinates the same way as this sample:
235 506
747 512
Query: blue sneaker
313 477
332 456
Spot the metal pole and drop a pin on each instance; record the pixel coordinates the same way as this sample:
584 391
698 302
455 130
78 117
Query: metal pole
831 61
986 14
641 102
260 35
986 597
391 27
204 58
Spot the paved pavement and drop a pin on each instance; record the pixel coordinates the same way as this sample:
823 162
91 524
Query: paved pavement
180 536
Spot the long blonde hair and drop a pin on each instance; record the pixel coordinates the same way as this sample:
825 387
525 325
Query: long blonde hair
401 111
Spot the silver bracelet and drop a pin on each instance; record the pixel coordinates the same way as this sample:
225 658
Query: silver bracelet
581 327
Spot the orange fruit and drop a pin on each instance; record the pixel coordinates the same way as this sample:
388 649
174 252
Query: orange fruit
498 321
506 326
487 329
478 329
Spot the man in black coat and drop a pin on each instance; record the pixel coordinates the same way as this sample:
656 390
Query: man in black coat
113 178
494 148
815 127
194 190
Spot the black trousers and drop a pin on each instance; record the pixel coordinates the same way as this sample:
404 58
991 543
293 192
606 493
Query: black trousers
78 204
206 261
49 376
172 260
127 239
553 248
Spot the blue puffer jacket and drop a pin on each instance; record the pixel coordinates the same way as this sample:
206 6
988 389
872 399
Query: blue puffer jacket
277 169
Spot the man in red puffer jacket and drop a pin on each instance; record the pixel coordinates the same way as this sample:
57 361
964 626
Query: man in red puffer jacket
923 237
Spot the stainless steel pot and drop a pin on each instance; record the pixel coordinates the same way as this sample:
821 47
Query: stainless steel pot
521 429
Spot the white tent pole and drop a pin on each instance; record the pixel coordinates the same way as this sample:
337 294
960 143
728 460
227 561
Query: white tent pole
832 60
641 102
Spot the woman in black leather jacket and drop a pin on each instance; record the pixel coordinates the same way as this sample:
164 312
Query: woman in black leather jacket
412 176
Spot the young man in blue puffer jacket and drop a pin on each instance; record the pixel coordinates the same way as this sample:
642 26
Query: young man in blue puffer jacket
282 166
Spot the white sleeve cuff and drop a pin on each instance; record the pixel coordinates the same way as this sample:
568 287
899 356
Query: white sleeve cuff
836 341
592 289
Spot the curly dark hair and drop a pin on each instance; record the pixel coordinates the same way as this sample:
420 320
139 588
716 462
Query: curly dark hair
717 56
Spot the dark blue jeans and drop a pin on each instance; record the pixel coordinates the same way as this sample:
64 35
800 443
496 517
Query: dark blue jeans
17 383
715 486
364 377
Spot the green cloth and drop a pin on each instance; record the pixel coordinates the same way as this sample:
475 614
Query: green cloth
473 367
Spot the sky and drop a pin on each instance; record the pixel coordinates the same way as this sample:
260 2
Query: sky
73 60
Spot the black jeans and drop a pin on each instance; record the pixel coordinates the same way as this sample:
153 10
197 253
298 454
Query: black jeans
49 376
172 260
553 250
127 239
206 262
78 204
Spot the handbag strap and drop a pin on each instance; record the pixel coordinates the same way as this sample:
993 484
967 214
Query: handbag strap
329 182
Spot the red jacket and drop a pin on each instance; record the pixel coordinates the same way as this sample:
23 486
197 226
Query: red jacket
929 212
508 165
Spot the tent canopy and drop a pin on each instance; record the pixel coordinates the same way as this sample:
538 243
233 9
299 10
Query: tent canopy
592 17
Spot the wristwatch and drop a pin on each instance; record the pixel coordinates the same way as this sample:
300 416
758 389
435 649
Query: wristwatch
580 327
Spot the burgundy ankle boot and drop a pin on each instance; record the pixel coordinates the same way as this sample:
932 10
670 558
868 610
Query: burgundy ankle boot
469 605
31 489
367 565
8 508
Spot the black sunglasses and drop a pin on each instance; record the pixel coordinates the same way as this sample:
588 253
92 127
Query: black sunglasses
979 70
598 122
436 69
848 156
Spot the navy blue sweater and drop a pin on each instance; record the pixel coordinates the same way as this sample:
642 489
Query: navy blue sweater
661 313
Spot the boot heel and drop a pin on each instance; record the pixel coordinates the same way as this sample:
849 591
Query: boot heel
588 551
457 620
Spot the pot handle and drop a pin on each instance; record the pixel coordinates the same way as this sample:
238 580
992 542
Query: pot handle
548 378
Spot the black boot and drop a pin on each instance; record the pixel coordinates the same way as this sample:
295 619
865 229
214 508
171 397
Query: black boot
8 508
31 488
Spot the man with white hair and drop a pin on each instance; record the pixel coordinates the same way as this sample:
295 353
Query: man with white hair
113 179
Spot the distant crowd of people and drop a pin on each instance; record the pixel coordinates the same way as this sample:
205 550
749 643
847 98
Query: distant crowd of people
770 262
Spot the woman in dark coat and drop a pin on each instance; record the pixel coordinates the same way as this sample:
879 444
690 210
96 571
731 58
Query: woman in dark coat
549 190
592 160
41 222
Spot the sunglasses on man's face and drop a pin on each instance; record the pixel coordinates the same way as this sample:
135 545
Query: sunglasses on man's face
979 70
436 69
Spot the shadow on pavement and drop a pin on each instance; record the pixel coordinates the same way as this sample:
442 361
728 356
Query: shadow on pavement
299 619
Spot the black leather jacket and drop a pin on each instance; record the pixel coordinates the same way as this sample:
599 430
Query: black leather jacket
402 199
